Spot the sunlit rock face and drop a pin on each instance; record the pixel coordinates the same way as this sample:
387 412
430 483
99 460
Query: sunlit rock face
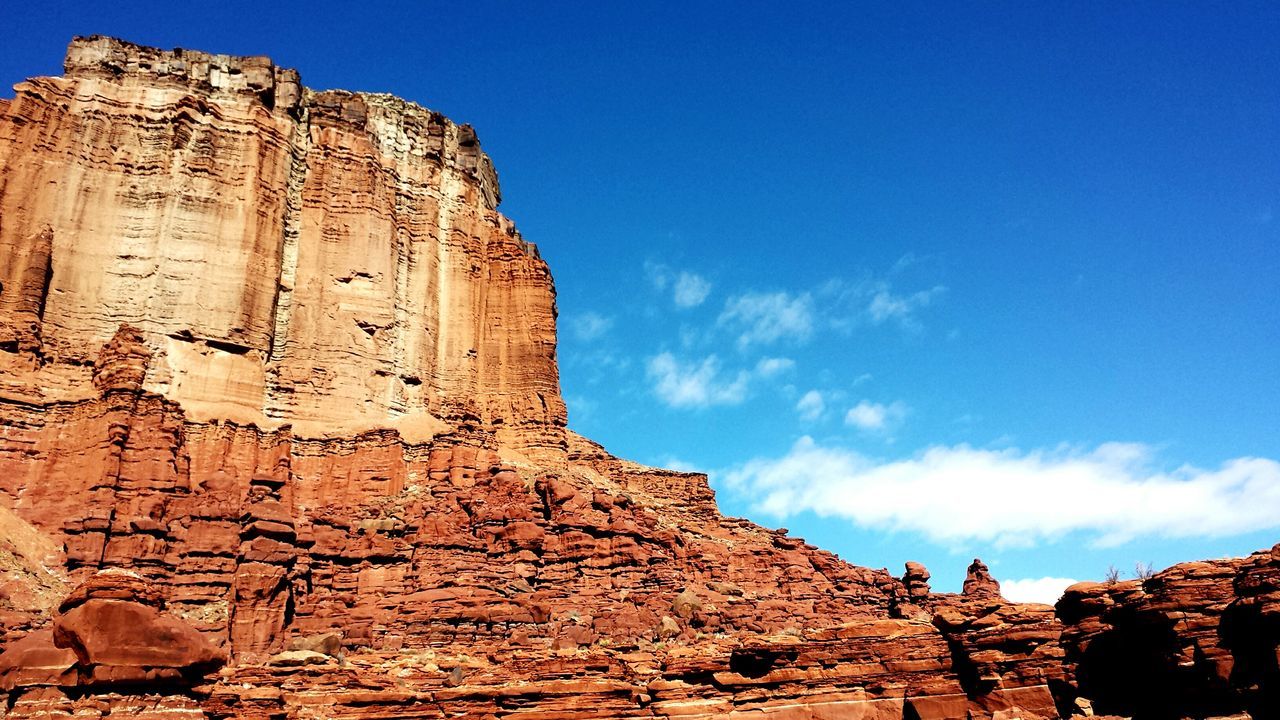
281 436
328 260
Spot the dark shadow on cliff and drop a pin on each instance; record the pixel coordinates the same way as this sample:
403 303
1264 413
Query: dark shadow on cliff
1252 637
1135 669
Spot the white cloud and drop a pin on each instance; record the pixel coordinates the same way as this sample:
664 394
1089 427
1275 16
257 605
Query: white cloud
910 260
1044 590
885 305
770 366
875 417
691 289
695 384
875 301
688 289
580 408
768 317
1008 497
811 406
589 326
703 383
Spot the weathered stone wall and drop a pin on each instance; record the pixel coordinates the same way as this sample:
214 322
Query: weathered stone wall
331 260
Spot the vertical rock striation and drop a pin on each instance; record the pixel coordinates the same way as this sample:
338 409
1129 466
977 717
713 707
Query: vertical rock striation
329 260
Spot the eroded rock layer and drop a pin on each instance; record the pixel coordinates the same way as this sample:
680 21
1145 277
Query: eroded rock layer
281 437
328 260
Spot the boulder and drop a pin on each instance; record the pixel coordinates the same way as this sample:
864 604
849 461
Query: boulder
117 639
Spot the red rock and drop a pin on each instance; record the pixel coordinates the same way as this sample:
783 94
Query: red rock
118 641
123 362
113 584
978 582
1199 635
916 581
329 643
35 660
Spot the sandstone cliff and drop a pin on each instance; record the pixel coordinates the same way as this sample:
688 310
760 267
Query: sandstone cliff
330 261
279 397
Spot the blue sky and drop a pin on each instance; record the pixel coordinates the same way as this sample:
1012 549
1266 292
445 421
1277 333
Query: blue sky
918 283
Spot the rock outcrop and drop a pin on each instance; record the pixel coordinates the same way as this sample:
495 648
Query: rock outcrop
281 436
118 636
1199 639
330 261
978 582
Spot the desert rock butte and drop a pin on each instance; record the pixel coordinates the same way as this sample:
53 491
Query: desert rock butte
281 436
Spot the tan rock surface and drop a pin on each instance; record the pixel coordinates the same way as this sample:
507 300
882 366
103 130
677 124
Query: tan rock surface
329 260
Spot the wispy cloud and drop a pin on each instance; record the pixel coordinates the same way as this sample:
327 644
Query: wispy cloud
811 406
770 366
704 383
580 408
597 363
690 289
763 318
885 305
871 300
682 384
1045 590
876 417
589 326
952 495
659 275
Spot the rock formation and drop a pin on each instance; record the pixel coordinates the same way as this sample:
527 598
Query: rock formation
978 582
328 261
281 436
1196 640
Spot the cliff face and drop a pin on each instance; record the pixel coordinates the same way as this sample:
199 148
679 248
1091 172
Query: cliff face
1195 640
281 436
331 261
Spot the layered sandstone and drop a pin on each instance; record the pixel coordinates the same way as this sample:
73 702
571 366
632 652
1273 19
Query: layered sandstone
278 396
1199 639
331 261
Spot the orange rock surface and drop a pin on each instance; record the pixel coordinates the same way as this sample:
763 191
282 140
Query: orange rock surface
281 436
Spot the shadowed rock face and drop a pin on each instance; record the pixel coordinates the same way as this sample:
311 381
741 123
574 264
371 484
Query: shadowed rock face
1196 640
278 389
